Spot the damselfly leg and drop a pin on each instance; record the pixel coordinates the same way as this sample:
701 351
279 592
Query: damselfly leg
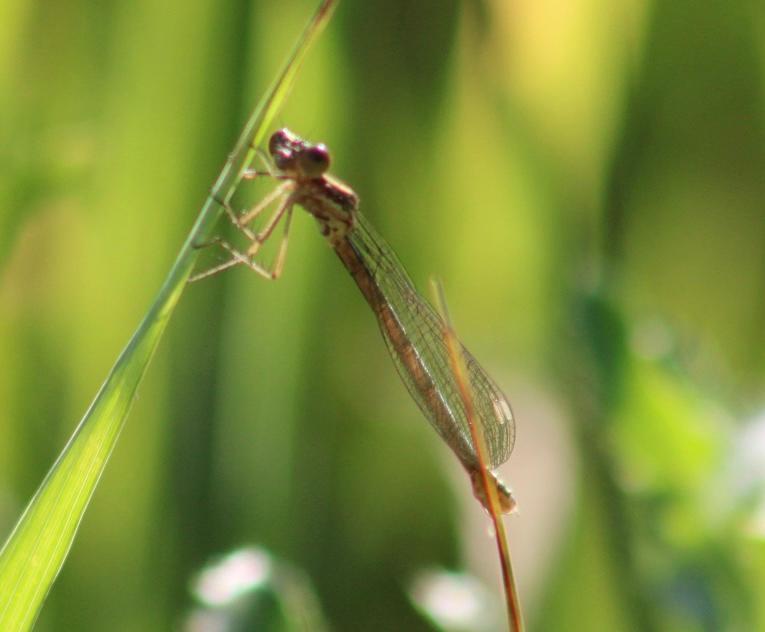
242 223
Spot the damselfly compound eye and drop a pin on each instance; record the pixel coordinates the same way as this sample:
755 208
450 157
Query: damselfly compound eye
314 161
280 142
283 159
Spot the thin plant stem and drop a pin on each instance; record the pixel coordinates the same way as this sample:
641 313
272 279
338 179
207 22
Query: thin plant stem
514 615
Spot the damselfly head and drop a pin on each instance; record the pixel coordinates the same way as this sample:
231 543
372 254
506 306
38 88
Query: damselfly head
282 146
296 156
284 141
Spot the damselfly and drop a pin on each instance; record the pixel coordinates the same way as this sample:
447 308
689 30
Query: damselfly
414 333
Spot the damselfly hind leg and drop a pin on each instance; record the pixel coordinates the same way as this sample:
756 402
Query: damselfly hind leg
240 258
241 223
235 220
236 260
249 216
259 239
256 241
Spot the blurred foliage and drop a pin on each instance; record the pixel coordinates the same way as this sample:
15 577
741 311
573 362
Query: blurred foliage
32 556
586 177
250 590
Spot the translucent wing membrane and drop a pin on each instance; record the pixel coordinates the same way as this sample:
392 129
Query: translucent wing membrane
424 329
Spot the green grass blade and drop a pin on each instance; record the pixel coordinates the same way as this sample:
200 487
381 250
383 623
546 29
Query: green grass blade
35 551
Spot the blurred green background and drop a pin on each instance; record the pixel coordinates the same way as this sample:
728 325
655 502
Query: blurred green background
586 177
